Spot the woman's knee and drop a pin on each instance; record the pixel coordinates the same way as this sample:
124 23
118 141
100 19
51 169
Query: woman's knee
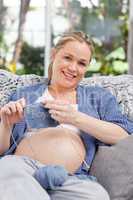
94 190
101 193
13 165
80 188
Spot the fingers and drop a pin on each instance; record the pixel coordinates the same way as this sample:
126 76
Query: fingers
5 110
20 105
57 105
22 101
56 115
19 108
13 107
58 102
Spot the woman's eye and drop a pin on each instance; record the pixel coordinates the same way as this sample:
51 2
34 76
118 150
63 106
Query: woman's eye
82 64
67 57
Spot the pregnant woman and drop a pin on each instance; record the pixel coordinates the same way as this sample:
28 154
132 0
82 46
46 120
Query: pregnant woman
62 128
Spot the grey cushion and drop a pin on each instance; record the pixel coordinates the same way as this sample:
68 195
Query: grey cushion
113 167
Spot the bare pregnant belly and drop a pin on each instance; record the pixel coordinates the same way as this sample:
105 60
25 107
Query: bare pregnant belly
57 146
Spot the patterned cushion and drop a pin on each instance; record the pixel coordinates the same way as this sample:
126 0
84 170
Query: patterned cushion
120 86
10 82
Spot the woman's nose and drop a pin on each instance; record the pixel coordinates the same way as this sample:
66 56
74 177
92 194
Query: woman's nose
73 66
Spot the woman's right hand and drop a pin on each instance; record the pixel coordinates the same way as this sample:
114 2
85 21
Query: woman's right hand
12 112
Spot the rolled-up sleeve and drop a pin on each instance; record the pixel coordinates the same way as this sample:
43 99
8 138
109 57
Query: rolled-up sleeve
109 110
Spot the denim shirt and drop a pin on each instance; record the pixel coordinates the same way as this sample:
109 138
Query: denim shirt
92 100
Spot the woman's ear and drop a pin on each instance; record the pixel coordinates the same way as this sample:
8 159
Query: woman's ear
52 54
50 68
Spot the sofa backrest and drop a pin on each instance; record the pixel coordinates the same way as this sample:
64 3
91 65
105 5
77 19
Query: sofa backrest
121 86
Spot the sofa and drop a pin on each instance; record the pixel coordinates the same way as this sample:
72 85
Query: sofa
112 165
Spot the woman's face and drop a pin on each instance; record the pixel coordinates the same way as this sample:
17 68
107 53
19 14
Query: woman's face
70 64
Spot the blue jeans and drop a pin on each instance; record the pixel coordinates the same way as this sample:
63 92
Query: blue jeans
17 183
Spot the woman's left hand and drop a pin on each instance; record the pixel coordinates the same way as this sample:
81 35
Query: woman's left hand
63 112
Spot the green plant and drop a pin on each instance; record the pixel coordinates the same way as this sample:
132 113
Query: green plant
32 59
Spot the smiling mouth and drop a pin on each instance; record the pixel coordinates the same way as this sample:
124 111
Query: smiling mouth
68 75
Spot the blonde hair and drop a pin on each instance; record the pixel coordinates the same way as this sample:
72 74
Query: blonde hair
67 37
